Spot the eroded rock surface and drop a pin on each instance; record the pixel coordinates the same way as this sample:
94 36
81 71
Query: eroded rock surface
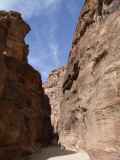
24 108
53 88
90 108
15 30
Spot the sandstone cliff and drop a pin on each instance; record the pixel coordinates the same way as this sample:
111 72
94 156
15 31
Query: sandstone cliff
53 88
90 107
24 108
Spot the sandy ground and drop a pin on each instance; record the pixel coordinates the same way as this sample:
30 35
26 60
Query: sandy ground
55 153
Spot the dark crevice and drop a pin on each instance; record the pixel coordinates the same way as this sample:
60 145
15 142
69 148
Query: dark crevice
87 24
71 77
108 2
111 10
75 71
84 109
75 92
86 12
100 6
98 59
19 106
67 85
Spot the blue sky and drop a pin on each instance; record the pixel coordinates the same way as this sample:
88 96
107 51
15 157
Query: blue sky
53 24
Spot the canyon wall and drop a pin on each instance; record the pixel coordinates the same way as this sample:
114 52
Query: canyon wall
90 107
24 108
53 88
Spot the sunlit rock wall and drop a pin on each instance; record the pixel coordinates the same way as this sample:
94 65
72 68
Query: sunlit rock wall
53 88
90 108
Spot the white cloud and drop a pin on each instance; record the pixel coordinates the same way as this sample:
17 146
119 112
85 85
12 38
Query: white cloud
54 51
28 8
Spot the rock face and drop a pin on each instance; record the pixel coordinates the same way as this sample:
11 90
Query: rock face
90 107
24 108
53 88
14 30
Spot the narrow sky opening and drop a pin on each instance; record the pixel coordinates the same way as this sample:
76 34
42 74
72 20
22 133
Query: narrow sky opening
53 24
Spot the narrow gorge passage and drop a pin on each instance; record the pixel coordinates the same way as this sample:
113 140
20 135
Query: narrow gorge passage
87 110
78 108
55 153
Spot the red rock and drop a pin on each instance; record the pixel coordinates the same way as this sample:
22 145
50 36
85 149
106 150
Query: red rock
16 32
53 88
24 108
90 107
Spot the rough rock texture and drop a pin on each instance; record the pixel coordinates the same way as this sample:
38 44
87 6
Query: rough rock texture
53 88
15 29
24 108
90 108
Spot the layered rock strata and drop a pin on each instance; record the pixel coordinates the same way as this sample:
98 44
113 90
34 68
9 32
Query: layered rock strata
90 108
53 88
24 108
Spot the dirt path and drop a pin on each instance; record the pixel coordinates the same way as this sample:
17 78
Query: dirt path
55 153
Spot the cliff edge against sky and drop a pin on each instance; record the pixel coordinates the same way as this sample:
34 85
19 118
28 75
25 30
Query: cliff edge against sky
84 95
24 108
90 107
